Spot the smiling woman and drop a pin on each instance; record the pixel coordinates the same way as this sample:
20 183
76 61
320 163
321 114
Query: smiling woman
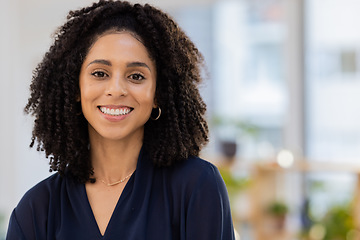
118 76
119 114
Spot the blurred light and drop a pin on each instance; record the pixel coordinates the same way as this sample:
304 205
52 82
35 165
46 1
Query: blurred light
353 235
317 232
285 158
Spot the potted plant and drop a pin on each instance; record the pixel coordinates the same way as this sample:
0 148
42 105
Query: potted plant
278 211
228 129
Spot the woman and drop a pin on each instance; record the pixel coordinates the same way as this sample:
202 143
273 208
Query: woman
119 115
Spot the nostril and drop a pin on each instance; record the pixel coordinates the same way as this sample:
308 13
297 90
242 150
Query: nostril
116 88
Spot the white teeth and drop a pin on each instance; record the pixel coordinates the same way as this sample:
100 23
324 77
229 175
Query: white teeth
115 112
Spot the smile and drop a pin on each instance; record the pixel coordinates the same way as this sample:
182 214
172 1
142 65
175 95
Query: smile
115 111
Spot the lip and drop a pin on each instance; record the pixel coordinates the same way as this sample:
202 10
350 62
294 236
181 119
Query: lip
115 118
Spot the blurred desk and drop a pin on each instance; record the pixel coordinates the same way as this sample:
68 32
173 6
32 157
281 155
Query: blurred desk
270 181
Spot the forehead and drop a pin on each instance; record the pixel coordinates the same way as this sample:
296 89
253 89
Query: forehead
118 31
120 49
118 43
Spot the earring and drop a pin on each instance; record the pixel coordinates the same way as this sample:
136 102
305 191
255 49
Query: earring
157 116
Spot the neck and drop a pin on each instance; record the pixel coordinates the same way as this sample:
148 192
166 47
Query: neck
113 160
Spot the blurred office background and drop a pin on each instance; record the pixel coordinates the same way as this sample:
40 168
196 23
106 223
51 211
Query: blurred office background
282 85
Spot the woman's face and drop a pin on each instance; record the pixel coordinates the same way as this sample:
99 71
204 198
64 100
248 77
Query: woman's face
117 87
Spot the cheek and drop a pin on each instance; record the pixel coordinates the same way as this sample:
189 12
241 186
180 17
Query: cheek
151 98
84 93
152 92
87 95
87 91
146 94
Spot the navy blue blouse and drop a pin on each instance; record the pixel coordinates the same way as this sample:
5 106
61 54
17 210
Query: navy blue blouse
186 201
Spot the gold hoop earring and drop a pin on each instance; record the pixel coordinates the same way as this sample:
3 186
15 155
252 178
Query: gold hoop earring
154 119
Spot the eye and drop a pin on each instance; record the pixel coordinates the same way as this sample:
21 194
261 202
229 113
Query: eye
136 77
99 74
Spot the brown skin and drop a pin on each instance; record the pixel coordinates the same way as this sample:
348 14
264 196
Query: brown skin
125 80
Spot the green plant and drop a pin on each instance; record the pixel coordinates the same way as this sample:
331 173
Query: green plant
277 208
244 127
233 184
338 222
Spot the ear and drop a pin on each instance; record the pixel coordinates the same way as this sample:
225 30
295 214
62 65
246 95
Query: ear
78 99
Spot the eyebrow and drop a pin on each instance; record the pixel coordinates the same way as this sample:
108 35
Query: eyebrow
131 64
138 64
101 61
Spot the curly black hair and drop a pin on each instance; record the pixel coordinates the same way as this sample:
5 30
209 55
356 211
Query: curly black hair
61 130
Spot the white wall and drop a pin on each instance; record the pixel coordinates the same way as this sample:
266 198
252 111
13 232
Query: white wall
7 181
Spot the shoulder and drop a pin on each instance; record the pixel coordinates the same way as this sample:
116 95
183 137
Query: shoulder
195 173
196 167
205 198
36 200
42 190
31 213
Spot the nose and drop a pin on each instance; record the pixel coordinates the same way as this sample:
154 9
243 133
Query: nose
116 87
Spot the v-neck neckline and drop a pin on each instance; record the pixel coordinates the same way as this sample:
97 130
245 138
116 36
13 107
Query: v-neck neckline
117 206
126 191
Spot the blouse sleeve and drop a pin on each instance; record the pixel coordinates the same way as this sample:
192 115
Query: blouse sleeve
28 219
208 212
14 231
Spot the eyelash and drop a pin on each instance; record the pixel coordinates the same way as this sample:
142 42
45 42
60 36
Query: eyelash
138 76
96 74
104 75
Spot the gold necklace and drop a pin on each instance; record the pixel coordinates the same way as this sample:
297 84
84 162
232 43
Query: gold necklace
120 181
